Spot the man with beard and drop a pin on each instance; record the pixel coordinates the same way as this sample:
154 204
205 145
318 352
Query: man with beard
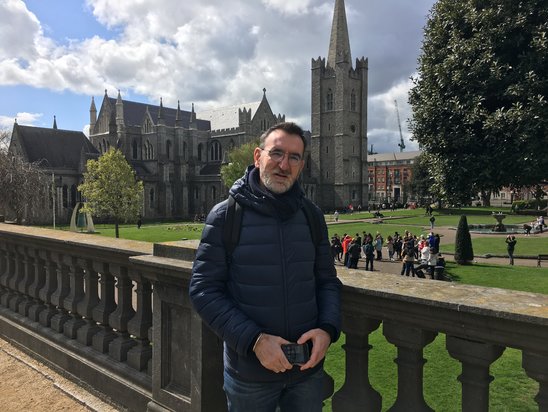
278 287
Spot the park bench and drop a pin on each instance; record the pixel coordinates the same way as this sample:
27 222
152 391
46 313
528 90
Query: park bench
541 258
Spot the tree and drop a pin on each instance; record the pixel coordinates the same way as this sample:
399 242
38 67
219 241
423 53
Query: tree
464 253
111 189
239 157
22 184
479 103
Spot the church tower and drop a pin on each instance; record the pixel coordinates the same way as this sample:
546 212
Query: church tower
338 145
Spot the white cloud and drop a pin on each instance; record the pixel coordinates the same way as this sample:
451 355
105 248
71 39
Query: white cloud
28 119
217 52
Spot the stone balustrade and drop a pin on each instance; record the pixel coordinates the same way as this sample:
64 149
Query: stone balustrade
116 315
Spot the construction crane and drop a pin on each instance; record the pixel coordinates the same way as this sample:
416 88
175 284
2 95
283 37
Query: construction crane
401 144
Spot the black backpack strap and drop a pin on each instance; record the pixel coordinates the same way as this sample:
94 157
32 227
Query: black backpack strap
313 221
233 223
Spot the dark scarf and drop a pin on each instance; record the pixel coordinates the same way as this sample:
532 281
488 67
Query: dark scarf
283 205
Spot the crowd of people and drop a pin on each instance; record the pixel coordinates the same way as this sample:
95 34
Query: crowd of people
408 248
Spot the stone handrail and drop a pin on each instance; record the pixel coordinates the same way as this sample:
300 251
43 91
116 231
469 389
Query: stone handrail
116 315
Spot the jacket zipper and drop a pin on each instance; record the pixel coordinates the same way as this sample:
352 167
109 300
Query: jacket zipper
284 277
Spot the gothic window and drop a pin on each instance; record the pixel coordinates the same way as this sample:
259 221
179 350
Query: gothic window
151 198
326 149
168 149
200 150
184 151
213 193
196 193
353 194
104 145
134 149
329 100
215 151
65 196
231 145
353 101
147 126
100 147
73 195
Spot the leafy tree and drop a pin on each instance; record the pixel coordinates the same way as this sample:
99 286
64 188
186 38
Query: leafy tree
479 103
22 185
111 189
239 158
464 253
422 181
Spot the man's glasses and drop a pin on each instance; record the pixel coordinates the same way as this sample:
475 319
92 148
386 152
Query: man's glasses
277 155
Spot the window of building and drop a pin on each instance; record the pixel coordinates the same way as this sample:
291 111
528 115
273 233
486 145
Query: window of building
151 198
184 151
200 150
215 151
65 196
147 126
134 149
213 192
73 196
168 149
353 101
329 100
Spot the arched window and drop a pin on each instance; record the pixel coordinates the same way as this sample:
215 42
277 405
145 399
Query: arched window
215 151
213 193
73 196
200 150
168 149
151 198
134 149
148 151
104 145
65 196
353 101
147 126
329 100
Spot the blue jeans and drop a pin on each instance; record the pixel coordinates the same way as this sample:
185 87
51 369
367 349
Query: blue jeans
302 396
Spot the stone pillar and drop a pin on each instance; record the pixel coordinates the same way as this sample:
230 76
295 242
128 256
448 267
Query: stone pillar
357 394
24 284
50 285
90 300
119 319
20 268
410 342
63 289
34 290
536 367
76 280
138 357
102 311
476 358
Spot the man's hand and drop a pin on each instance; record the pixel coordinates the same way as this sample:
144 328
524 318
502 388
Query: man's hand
269 352
320 343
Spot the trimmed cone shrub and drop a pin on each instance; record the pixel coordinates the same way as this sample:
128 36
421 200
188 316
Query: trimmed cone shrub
464 253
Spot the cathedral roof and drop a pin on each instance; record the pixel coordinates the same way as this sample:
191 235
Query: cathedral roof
54 148
134 113
227 117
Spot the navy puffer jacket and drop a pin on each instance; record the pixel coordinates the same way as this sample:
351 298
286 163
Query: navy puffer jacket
277 282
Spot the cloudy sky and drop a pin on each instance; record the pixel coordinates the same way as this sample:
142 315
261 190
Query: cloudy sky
56 54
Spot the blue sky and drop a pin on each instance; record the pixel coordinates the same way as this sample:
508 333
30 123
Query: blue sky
56 54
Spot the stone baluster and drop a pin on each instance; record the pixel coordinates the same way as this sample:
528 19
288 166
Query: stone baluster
101 313
5 271
63 289
88 303
119 319
26 281
410 342
139 356
476 358
357 394
76 280
49 288
34 289
536 367
20 269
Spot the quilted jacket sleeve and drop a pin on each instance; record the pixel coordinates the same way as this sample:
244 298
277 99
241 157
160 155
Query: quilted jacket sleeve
208 288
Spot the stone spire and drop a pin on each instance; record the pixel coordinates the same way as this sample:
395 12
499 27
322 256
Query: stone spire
54 122
92 115
339 44
161 113
119 109
193 124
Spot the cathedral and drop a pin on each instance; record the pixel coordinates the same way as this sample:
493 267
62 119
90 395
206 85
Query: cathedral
178 154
